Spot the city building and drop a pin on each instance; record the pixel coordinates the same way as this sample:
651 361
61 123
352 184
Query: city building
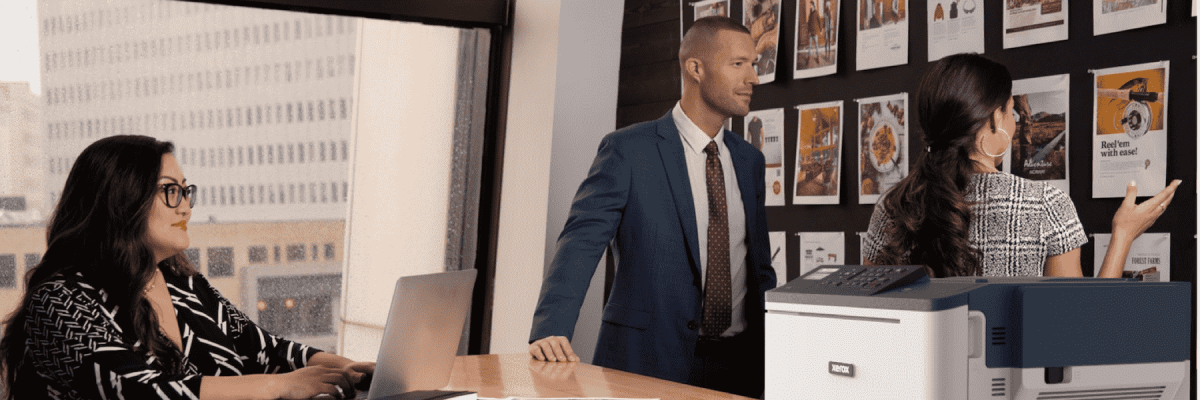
257 103
22 155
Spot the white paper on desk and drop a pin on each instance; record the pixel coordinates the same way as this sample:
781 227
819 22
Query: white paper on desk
954 27
562 398
1148 250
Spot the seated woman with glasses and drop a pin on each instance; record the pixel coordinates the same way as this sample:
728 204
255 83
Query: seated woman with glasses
115 310
960 216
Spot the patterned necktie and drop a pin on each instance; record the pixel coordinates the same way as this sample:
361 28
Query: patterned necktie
718 302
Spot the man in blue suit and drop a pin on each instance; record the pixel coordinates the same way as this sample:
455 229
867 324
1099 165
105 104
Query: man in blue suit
680 200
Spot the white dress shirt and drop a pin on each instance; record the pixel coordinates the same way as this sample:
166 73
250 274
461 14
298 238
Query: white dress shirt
694 141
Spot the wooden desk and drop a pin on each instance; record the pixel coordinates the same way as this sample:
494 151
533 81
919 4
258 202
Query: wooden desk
503 375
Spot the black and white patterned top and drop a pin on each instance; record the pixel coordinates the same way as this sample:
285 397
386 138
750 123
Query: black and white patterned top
1017 224
75 348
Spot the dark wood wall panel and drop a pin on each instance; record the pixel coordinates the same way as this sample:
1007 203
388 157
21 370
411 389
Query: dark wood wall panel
649 78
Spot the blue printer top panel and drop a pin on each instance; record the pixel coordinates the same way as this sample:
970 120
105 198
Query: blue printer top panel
1043 322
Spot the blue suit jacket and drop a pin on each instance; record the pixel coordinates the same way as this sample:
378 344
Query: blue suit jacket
637 196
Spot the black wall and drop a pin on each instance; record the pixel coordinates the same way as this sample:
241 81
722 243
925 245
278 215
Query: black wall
650 86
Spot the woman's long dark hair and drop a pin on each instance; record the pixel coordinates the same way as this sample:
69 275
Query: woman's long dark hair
955 98
99 228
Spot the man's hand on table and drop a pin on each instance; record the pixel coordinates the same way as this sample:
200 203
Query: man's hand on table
552 348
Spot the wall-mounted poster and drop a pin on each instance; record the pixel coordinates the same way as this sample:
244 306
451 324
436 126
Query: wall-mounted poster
1130 129
882 33
1030 22
762 18
821 248
862 244
1149 257
882 144
817 26
1122 15
779 256
708 8
955 26
1040 143
818 154
764 130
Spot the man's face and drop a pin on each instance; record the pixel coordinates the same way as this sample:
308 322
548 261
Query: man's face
729 74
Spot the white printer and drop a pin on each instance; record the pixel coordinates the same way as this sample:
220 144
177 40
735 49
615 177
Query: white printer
890 332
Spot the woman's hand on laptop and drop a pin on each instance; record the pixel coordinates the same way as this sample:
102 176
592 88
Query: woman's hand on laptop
553 348
311 381
359 374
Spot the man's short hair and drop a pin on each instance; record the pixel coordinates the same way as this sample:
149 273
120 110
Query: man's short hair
704 31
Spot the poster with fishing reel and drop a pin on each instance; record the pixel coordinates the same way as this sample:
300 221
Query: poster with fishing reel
882 145
1040 144
1129 131
761 17
818 154
764 130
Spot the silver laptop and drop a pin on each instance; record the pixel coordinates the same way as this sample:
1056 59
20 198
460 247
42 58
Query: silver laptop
422 334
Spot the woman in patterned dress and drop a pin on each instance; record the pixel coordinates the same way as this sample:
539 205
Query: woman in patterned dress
115 310
960 216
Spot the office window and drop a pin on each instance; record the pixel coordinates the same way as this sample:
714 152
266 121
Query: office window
314 252
220 261
295 252
329 251
8 270
301 153
257 254
193 256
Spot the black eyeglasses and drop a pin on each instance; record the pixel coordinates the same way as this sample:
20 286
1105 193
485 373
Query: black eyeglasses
174 194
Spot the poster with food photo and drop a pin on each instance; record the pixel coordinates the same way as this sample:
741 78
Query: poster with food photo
818 154
882 33
1030 22
882 144
1040 143
817 23
1121 15
762 18
1129 140
764 130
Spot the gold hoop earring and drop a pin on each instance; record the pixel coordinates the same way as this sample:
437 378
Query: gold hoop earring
1006 147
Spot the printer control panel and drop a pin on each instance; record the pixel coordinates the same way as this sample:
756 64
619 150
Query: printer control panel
863 280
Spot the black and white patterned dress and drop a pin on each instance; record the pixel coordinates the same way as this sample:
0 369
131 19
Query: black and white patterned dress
75 348
1017 224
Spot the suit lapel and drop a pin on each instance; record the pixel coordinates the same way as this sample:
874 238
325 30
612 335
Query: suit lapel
671 151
